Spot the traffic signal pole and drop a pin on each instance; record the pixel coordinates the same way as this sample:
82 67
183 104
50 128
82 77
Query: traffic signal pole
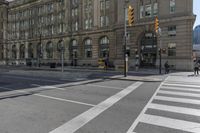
125 42
160 64
160 52
158 32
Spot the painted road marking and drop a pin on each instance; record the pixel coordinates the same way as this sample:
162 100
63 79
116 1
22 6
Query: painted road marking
60 99
82 119
179 100
171 123
179 88
179 93
182 110
183 83
36 79
194 86
61 86
78 83
102 86
131 129
47 87
49 97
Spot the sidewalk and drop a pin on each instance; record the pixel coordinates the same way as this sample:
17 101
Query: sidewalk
81 69
145 75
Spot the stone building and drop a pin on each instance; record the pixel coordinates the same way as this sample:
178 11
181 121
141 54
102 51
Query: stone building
196 35
87 30
3 25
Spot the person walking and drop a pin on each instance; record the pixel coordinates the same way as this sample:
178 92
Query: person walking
196 68
106 63
166 65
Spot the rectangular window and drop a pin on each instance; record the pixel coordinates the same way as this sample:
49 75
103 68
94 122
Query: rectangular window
155 9
107 4
172 49
88 53
76 26
172 30
102 5
172 6
86 24
102 21
107 20
148 10
141 11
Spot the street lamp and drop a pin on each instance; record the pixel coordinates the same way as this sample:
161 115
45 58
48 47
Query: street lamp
39 49
61 47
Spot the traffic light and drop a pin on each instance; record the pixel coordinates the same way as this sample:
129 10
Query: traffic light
130 15
156 24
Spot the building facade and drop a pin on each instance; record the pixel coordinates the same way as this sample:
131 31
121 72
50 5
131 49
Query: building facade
87 30
3 26
197 35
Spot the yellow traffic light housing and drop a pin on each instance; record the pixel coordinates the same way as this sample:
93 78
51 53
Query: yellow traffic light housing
130 15
156 24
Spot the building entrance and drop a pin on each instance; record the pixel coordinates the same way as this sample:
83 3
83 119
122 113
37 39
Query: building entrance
148 50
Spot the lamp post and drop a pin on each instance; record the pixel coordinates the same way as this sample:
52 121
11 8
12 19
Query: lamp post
40 50
62 45
125 38
62 56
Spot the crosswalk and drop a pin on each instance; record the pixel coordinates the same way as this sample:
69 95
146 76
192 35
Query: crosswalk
174 108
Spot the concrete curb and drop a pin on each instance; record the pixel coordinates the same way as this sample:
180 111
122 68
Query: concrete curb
134 78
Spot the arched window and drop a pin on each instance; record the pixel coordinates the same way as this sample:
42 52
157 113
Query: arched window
104 47
49 50
14 52
30 50
22 51
39 50
60 45
88 48
73 49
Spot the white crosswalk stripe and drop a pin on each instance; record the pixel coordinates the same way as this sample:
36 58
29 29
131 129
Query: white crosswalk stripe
171 123
179 93
179 88
175 109
168 98
179 100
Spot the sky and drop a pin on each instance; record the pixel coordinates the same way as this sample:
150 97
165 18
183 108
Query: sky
196 11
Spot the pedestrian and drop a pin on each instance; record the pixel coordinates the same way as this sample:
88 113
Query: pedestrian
106 63
196 68
166 65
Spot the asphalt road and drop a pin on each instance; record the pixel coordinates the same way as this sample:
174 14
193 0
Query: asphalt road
75 102
47 102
